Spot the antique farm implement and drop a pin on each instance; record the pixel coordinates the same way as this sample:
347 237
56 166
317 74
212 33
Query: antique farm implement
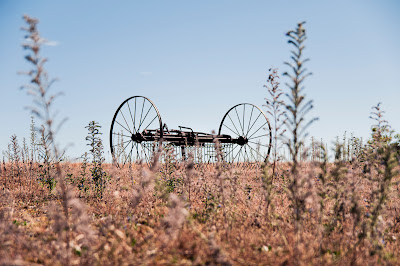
137 132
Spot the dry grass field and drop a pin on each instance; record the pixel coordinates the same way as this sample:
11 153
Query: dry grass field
198 214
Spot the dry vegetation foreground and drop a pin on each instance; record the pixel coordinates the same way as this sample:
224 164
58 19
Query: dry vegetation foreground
183 213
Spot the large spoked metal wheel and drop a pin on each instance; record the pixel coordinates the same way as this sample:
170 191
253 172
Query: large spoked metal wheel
250 126
136 131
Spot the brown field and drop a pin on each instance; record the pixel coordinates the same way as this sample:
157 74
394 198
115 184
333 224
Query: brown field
206 214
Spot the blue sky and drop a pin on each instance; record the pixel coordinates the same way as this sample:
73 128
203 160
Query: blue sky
196 59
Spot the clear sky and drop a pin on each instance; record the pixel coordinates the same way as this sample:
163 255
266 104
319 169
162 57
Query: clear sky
196 59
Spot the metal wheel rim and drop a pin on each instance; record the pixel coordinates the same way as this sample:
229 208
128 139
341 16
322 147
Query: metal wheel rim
141 121
266 137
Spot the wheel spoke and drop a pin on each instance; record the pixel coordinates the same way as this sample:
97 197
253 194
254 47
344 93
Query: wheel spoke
248 126
253 123
245 152
123 142
234 125
144 145
128 155
130 112
239 121
134 119
241 154
258 129
244 111
252 153
237 153
127 144
131 153
141 122
125 119
264 135
232 150
145 155
257 152
259 144
231 130
123 126
150 123
119 134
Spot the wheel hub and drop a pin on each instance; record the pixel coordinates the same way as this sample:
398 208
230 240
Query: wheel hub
138 137
242 140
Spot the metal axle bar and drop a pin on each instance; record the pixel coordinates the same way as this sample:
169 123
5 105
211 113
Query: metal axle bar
185 138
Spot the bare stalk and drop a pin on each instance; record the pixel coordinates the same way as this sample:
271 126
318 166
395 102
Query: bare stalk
275 106
297 108
39 88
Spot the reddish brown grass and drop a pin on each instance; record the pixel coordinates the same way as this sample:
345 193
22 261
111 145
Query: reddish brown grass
169 228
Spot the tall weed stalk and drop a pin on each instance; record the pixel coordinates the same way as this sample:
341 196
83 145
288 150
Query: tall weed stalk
39 89
297 108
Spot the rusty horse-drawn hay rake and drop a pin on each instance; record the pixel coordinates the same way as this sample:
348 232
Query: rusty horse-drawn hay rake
137 132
